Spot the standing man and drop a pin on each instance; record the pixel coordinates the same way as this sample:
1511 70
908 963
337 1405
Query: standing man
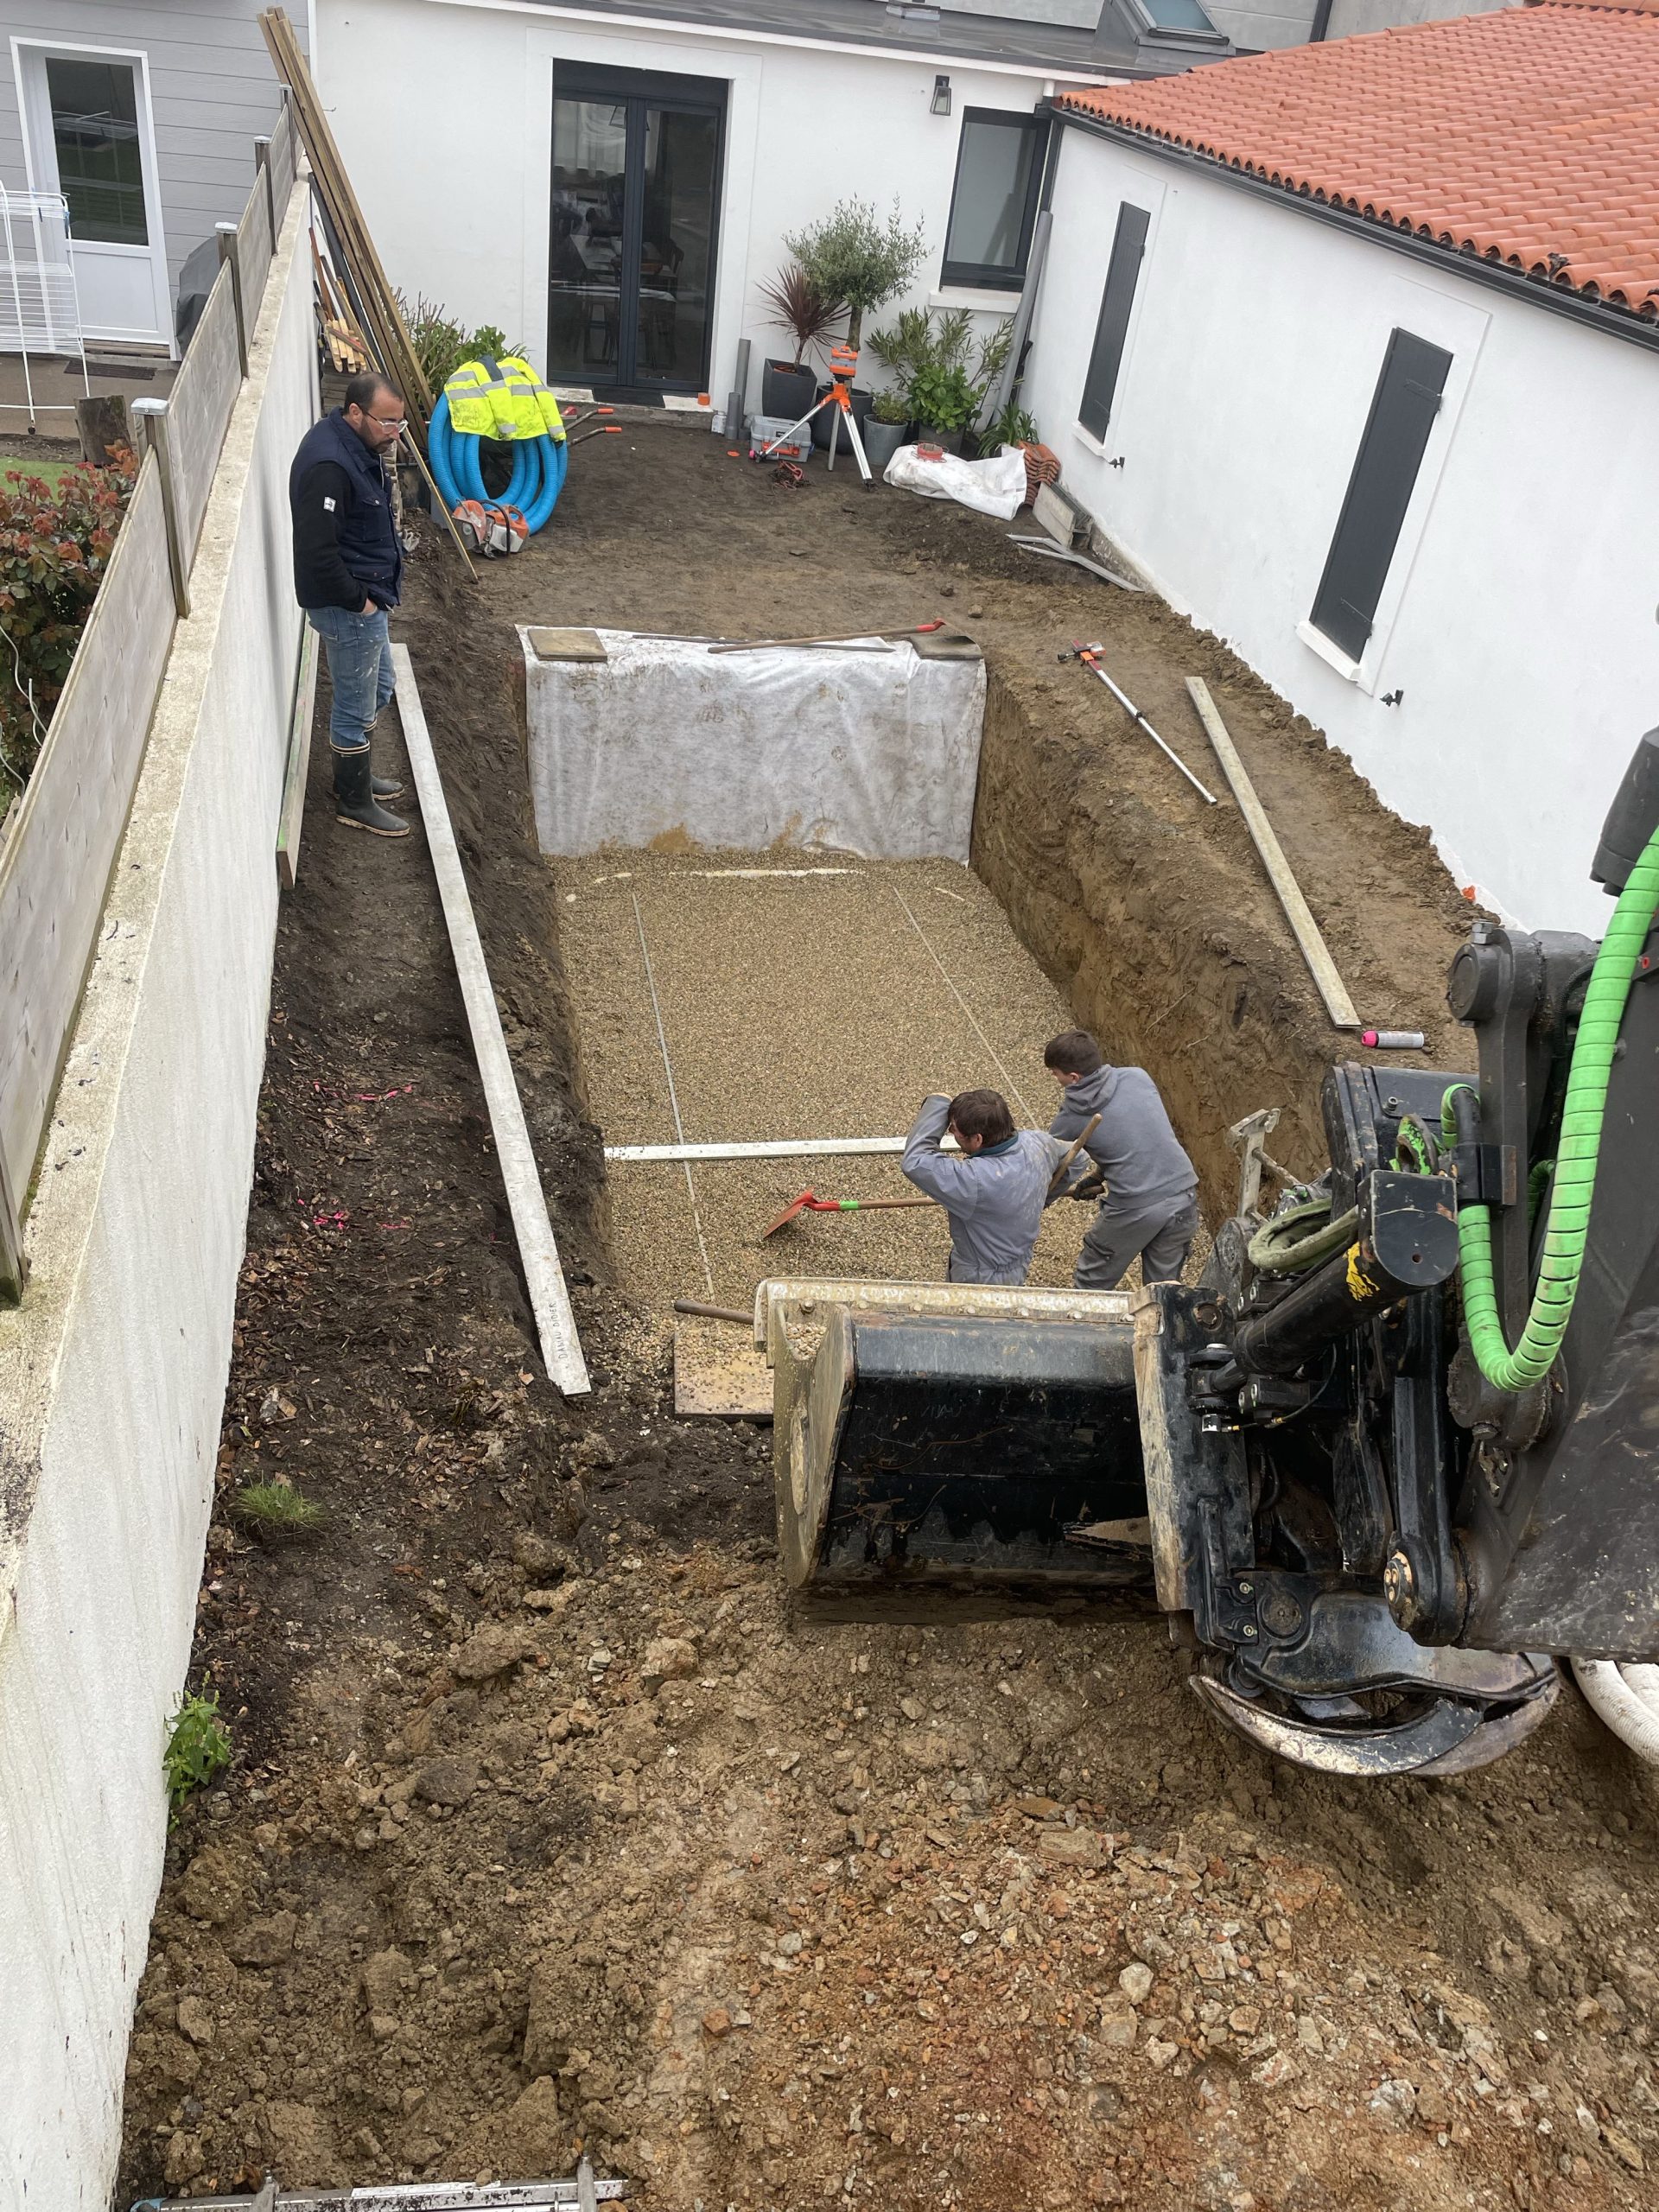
995 1194
1149 1206
347 567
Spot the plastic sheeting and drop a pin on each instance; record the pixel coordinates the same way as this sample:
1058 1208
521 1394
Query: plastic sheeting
993 487
873 753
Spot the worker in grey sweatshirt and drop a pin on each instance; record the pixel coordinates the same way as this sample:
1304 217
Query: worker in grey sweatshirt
995 1192
1149 1205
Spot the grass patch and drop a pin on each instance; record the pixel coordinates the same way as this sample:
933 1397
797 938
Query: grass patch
277 1509
53 472
198 1748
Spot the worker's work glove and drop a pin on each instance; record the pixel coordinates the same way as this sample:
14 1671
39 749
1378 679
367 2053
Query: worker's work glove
1090 1186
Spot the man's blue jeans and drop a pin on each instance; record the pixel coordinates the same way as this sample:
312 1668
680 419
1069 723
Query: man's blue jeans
360 669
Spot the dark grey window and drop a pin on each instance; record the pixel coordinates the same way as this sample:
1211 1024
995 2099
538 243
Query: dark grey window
994 200
1403 408
1181 19
1100 385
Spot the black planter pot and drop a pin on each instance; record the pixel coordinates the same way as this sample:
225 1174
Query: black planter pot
950 440
861 400
786 392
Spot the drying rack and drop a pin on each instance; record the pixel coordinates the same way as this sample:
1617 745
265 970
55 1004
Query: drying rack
40 303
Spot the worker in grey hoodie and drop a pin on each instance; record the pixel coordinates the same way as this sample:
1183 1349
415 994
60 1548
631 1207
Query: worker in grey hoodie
995 1192
1149 1205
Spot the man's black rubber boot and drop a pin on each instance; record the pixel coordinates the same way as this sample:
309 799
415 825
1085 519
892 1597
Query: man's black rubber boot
383 786
354 801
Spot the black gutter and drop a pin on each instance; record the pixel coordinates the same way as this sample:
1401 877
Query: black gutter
1595 314
1321 23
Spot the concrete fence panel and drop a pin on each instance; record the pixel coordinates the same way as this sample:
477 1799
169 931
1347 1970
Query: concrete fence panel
200 404
284 156
253 247
112 1372
56 865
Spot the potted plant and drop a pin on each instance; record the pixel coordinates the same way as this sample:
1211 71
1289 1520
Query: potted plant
857 257
797 302
943 402
886 427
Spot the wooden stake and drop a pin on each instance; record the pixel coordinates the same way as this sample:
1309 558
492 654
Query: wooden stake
1321 966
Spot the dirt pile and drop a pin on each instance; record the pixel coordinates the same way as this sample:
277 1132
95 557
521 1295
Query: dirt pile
551 1822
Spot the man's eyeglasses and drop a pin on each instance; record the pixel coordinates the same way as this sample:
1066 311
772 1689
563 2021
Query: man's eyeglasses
399 423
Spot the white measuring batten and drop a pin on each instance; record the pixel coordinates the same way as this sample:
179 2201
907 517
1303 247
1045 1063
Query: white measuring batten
555 1324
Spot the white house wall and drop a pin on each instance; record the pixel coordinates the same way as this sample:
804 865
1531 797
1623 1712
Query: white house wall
444 115
1518 618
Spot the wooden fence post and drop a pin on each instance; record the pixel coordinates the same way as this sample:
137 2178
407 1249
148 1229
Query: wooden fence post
153 417
228 251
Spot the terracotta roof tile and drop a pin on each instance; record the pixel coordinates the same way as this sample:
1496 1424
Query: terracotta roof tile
1530 137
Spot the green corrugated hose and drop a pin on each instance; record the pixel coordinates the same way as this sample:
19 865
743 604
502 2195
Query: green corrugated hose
1575 1163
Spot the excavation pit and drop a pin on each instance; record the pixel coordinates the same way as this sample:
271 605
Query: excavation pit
772 938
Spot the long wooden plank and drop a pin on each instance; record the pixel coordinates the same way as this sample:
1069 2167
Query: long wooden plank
1321 966
299 762
555 1324
396 350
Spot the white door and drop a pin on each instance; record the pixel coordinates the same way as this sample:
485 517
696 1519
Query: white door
87 134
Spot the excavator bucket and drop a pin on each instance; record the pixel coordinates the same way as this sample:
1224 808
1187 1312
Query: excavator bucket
955 1437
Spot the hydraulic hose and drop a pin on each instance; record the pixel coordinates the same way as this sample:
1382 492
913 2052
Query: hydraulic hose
538 468
1582 1112
1627 1699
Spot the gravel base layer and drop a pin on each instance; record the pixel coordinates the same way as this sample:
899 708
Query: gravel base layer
794 1005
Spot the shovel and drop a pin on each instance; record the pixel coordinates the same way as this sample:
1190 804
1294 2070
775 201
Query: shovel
809 1203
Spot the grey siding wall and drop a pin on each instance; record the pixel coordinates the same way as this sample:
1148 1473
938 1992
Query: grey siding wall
212 89
1348 16
1264 23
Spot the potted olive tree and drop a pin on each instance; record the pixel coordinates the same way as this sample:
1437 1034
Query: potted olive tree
797 302
861 259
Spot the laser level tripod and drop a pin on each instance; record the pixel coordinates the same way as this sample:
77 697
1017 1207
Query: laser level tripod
844 360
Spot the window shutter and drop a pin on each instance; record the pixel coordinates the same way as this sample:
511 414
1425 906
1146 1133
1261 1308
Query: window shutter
1100 385
1403 408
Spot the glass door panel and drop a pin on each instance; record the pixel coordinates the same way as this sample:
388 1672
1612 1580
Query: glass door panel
100 157
590 160
636 166
677 245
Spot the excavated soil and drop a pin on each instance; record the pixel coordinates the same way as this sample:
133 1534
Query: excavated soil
551 1823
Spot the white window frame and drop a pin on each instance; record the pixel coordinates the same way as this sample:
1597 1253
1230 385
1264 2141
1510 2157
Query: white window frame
28 59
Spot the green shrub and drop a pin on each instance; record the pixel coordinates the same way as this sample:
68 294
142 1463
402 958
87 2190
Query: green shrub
890 407
943 399
197 1747
55 540
1014 427
442 344
277 1509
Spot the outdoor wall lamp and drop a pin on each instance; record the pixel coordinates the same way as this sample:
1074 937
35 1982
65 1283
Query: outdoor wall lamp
941 96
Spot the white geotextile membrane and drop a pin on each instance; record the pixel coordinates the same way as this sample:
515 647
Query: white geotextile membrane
871 753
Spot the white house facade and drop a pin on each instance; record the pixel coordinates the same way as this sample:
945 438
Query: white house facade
622 181
1462 594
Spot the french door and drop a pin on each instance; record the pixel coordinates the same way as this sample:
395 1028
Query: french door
87 134
635 211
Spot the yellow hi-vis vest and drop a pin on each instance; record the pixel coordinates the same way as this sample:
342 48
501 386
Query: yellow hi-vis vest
501 399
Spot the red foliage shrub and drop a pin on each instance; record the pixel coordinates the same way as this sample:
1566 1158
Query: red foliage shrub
55 540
